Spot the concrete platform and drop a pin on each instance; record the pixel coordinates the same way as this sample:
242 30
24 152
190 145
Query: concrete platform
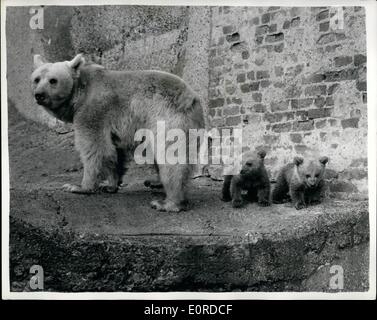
117 243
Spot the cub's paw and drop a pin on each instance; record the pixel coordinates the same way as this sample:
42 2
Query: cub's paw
153 184
226 199
76 189
264 203
280 200
108 189
237 203
166 205
315 202
300 205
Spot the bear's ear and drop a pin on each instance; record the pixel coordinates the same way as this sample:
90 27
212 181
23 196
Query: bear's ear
262 154
38 61
76 62
298 160
323 160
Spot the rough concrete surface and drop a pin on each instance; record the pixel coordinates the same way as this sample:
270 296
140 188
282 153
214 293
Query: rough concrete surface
116 242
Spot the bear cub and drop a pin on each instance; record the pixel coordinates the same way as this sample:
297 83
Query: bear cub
252 178
301 182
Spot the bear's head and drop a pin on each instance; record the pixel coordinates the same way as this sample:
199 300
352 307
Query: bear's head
52 83
311 172
252 163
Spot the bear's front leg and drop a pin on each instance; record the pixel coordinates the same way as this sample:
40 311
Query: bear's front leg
315 196
89 182
98 156
264 197
76 189
298 200
236 191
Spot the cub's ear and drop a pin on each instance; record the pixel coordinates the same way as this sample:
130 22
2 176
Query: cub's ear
323 160
298 160
38 61
76 62
262 154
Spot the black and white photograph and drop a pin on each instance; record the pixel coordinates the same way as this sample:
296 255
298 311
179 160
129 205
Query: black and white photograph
172 150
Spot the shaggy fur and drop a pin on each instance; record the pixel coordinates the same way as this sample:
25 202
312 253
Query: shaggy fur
253 178
301 182
107 108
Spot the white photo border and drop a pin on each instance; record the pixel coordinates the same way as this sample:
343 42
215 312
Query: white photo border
371 27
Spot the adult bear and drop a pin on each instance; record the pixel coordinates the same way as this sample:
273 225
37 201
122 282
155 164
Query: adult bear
106 108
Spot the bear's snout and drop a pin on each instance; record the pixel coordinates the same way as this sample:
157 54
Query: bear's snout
312 182
40 97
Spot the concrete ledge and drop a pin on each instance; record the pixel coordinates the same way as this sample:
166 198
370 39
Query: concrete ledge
88 249
117 243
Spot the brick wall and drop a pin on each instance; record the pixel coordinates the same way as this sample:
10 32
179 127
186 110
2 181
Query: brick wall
295 80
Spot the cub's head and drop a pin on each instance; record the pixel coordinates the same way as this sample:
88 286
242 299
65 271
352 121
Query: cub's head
52 83
252 163
311 172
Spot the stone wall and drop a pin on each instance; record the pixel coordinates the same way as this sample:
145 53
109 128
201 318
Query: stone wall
295 80
292 78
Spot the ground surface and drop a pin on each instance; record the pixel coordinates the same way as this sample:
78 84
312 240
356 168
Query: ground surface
113 242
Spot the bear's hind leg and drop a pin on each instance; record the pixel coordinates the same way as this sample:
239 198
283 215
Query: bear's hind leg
174 179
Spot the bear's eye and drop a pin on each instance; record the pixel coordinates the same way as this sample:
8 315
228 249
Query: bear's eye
249 164
53 81
317 175
308 176
36 80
